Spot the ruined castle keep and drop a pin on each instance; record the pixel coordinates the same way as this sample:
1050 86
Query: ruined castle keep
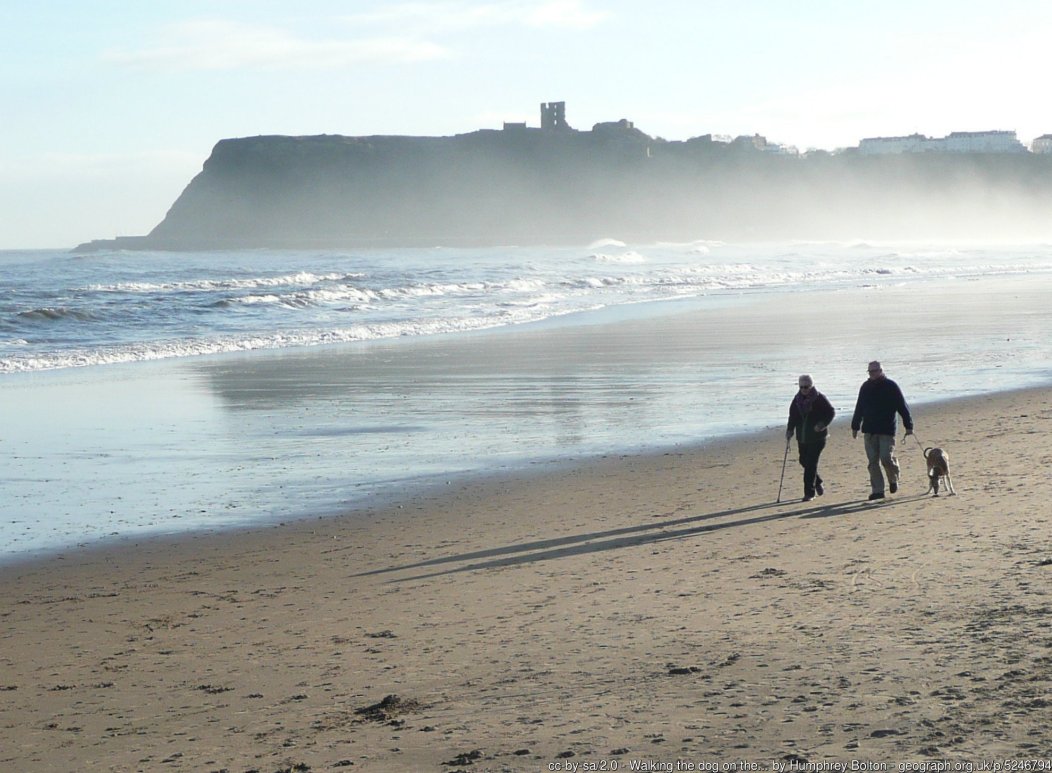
553 115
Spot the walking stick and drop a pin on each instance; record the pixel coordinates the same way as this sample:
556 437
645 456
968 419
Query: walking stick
782 479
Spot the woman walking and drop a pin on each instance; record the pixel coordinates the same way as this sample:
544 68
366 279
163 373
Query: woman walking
810 414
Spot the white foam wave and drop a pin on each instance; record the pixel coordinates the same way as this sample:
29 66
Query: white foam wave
436 294
141 352
548 300
419 291
299 300
525 285
699 246
359 296
303 278
625 257
600 244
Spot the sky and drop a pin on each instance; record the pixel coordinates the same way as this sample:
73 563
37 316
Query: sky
108 109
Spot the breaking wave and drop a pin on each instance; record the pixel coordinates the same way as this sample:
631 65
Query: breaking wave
57 313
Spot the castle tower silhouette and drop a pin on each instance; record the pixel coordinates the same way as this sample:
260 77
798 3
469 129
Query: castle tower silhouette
553 115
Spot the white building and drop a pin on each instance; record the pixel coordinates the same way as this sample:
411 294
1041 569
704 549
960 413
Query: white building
957 142
875 146
980 142
1042 144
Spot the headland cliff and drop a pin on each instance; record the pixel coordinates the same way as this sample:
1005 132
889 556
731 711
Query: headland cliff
562 186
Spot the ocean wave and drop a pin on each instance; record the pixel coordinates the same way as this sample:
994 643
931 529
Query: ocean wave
361 297
511 285
626 257
159 350
189 305
697 246
304 278
302 299
599 244
549 300
52 314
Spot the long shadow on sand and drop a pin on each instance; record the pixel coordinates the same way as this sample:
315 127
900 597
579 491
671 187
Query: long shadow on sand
631 536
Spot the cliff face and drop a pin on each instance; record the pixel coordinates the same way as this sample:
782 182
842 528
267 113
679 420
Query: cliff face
562 186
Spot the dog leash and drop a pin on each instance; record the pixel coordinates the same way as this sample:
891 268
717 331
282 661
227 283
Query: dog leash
920 445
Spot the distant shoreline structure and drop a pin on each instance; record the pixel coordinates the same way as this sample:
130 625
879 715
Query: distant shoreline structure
553 116
559 185
956 142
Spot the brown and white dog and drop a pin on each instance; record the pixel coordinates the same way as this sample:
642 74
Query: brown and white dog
938 467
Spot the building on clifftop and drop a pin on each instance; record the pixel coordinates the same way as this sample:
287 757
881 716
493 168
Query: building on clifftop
1042 144
553 115
956 142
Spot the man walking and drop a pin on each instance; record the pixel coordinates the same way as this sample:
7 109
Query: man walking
879 399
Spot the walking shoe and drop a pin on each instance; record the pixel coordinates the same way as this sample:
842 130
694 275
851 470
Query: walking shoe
808 498
876 495
818 489
893 486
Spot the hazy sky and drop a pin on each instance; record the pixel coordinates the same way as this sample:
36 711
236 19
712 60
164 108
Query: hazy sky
110 108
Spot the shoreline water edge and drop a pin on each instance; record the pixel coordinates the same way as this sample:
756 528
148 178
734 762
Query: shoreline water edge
123 451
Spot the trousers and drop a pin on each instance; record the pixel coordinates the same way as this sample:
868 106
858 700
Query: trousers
880 450
809 453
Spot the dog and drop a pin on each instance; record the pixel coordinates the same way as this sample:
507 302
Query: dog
938 468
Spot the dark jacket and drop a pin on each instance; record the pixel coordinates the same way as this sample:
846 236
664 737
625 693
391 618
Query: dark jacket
804 415
878 402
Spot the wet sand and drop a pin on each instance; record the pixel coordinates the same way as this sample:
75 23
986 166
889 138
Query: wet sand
637 608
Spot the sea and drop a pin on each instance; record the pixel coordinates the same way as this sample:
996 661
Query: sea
148 393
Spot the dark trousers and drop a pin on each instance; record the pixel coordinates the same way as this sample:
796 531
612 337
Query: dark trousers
809 453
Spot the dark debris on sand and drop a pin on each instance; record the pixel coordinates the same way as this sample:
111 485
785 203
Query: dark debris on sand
389 709
674 670
466 758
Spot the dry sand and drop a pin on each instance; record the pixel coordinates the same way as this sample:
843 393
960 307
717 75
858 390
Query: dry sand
654 609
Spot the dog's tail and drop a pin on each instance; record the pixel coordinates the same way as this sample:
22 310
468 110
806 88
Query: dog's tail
926 451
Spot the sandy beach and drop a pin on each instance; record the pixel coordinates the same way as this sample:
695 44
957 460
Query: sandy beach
647 610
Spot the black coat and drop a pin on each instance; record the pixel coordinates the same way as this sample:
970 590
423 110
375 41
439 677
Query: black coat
878 401
803 421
